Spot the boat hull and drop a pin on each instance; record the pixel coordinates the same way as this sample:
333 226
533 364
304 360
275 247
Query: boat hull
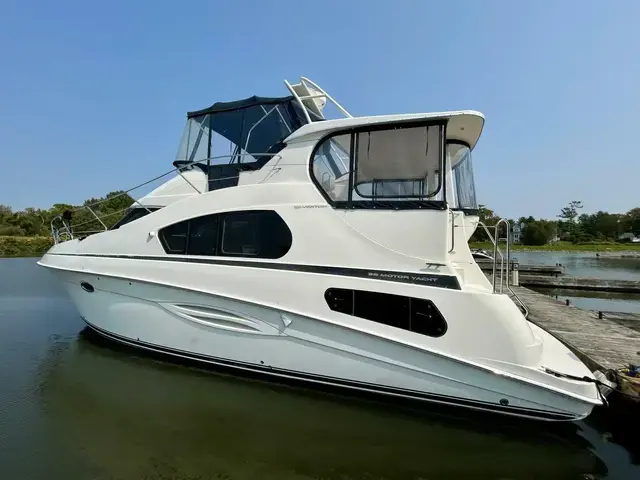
229 332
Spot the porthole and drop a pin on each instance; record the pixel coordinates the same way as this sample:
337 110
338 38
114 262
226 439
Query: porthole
87 287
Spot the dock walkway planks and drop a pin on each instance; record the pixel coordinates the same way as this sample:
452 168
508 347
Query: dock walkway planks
581 283
601 344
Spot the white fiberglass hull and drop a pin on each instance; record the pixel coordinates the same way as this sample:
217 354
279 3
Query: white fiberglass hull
232 333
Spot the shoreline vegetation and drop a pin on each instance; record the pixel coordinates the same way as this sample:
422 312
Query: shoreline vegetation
14 246
36 246
621 250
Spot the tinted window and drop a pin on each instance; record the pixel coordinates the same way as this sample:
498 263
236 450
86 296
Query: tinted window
133 214
241 234
203 236
340 300
260 233
392 310
414 314
426 319
174 237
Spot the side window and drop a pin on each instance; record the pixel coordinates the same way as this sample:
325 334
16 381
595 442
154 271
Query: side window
388 166
392 310
426 318
398 163
132 215
174 237
331 166
259 233
413 314
241 234
203 235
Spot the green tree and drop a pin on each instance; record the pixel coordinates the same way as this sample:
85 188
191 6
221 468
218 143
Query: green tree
489 218
630 222
538 232
569 214
600 225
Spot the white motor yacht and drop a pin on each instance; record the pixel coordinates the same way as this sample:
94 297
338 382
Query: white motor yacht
332 251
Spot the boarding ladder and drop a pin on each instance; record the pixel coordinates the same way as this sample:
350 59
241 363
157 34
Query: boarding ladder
500 281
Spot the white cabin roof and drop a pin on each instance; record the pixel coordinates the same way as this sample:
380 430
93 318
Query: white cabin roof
463 125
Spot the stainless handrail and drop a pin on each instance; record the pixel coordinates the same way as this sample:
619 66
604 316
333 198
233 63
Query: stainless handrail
61 229
97 218
495 239
453 231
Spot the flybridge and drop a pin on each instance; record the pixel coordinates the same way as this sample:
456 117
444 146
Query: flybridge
220 141
230 137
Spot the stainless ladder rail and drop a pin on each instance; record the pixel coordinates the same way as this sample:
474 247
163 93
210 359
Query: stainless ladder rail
495 239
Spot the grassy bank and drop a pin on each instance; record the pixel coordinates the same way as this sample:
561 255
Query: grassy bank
567 247
24 246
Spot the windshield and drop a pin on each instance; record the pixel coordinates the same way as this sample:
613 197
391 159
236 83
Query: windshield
459 157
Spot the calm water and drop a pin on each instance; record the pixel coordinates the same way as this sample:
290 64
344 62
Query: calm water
74 407
588 265
585 264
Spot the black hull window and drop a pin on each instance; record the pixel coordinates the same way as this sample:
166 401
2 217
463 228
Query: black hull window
174 238
414 314
255 233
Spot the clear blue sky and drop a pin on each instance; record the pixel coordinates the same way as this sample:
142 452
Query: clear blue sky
93 95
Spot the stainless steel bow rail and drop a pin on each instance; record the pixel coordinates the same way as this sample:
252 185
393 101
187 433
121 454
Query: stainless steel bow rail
502 281
62 229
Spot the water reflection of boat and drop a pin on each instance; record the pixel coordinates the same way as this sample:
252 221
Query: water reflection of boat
126 416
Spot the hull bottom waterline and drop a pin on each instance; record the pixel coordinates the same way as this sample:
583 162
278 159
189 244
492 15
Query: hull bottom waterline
319 381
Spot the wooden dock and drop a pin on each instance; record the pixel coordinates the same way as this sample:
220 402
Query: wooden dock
581 283
553 276
630 320
524 269
600 344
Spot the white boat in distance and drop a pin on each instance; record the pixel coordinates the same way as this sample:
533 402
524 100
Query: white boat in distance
331 251
479 254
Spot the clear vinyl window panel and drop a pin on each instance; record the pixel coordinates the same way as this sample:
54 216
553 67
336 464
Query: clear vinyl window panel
400 163
462 181
331 166
243 135
396 163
